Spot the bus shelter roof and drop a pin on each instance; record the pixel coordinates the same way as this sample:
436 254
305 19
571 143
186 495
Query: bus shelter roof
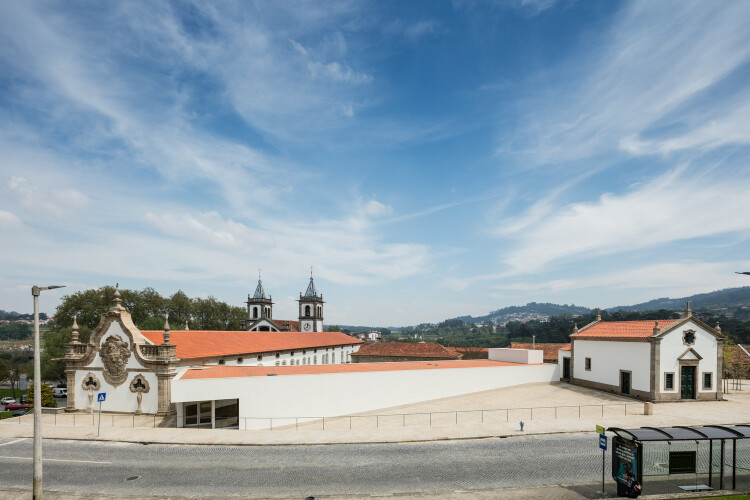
684 433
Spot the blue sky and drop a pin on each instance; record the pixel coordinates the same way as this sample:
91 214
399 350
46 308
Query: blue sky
427 159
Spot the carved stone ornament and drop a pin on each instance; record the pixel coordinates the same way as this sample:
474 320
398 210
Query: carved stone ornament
139 385
688 337
115 354
90 383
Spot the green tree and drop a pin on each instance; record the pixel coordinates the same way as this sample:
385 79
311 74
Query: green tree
48 400
4 372
333 328
17 366
152 323
15 331
179 306
54 348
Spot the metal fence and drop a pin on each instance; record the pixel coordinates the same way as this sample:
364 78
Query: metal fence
91 419
346 422
418 419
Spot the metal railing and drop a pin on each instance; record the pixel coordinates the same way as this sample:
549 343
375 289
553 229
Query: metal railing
417 419
344 422
90 419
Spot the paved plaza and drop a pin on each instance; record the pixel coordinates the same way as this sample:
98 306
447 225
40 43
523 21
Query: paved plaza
556 409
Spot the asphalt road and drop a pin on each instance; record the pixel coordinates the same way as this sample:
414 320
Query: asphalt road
298 471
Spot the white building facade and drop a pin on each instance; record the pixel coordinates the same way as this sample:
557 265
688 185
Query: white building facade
665 360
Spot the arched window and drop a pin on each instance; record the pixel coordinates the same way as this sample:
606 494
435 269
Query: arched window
255 313
283 363
333 358
260 357
307 311
239 361
277 355
221 361
315 360
277 362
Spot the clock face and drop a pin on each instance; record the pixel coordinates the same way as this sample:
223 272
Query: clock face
306 327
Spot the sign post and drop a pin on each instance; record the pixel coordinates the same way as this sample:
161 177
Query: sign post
100 397
603 446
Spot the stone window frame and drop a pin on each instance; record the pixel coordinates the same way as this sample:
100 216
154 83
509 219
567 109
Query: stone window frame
587 364
710 380
685 337
667 387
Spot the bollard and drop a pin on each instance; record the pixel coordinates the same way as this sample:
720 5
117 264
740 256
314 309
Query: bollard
648 408
521 423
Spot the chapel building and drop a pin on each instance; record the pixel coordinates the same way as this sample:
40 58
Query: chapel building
664 360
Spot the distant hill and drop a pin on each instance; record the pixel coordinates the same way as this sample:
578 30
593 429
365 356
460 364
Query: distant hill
532 310
712 301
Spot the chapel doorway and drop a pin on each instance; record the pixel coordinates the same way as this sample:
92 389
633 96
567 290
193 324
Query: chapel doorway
687 382
566 368
625 382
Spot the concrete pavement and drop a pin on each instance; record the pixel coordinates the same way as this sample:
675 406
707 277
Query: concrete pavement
735 410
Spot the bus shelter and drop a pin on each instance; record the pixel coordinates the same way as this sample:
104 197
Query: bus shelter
680 458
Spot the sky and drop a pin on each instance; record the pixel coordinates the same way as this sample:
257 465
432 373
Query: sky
425 159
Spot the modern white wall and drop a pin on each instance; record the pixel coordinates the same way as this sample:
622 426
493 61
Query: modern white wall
560 356
328 395
525 356
119 398
609 357
672 347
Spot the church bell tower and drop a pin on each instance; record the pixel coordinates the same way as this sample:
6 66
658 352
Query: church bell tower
311 309
259 306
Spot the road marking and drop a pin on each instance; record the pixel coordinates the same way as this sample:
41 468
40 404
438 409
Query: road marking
12 442
57 460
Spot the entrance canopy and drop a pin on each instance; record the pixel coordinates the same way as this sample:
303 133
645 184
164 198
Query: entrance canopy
684 433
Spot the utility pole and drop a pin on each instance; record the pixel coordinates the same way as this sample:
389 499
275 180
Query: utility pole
37 495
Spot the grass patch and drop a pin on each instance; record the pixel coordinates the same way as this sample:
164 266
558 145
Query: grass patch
5 414
7 393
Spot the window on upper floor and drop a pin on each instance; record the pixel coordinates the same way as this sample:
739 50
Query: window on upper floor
307 311
707 380
221 361
588 364
688 337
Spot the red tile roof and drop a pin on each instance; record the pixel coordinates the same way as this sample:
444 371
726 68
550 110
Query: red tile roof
622 329
196 344
549 351
262 371
407 349
566 348
285 324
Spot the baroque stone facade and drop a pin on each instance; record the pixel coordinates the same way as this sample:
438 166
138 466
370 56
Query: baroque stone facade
117 352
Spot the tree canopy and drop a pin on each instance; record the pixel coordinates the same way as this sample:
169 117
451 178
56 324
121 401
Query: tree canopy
147 308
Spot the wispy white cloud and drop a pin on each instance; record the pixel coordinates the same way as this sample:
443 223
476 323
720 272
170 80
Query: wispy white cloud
643 70
681 204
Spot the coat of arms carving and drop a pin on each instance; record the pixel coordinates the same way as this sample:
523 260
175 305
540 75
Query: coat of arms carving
115 354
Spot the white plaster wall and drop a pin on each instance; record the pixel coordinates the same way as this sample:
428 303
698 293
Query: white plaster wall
609 357
342 356
328 395
561 355
118 398
672 347
525 356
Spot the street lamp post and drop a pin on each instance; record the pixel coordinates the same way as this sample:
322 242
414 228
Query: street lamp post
35 291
